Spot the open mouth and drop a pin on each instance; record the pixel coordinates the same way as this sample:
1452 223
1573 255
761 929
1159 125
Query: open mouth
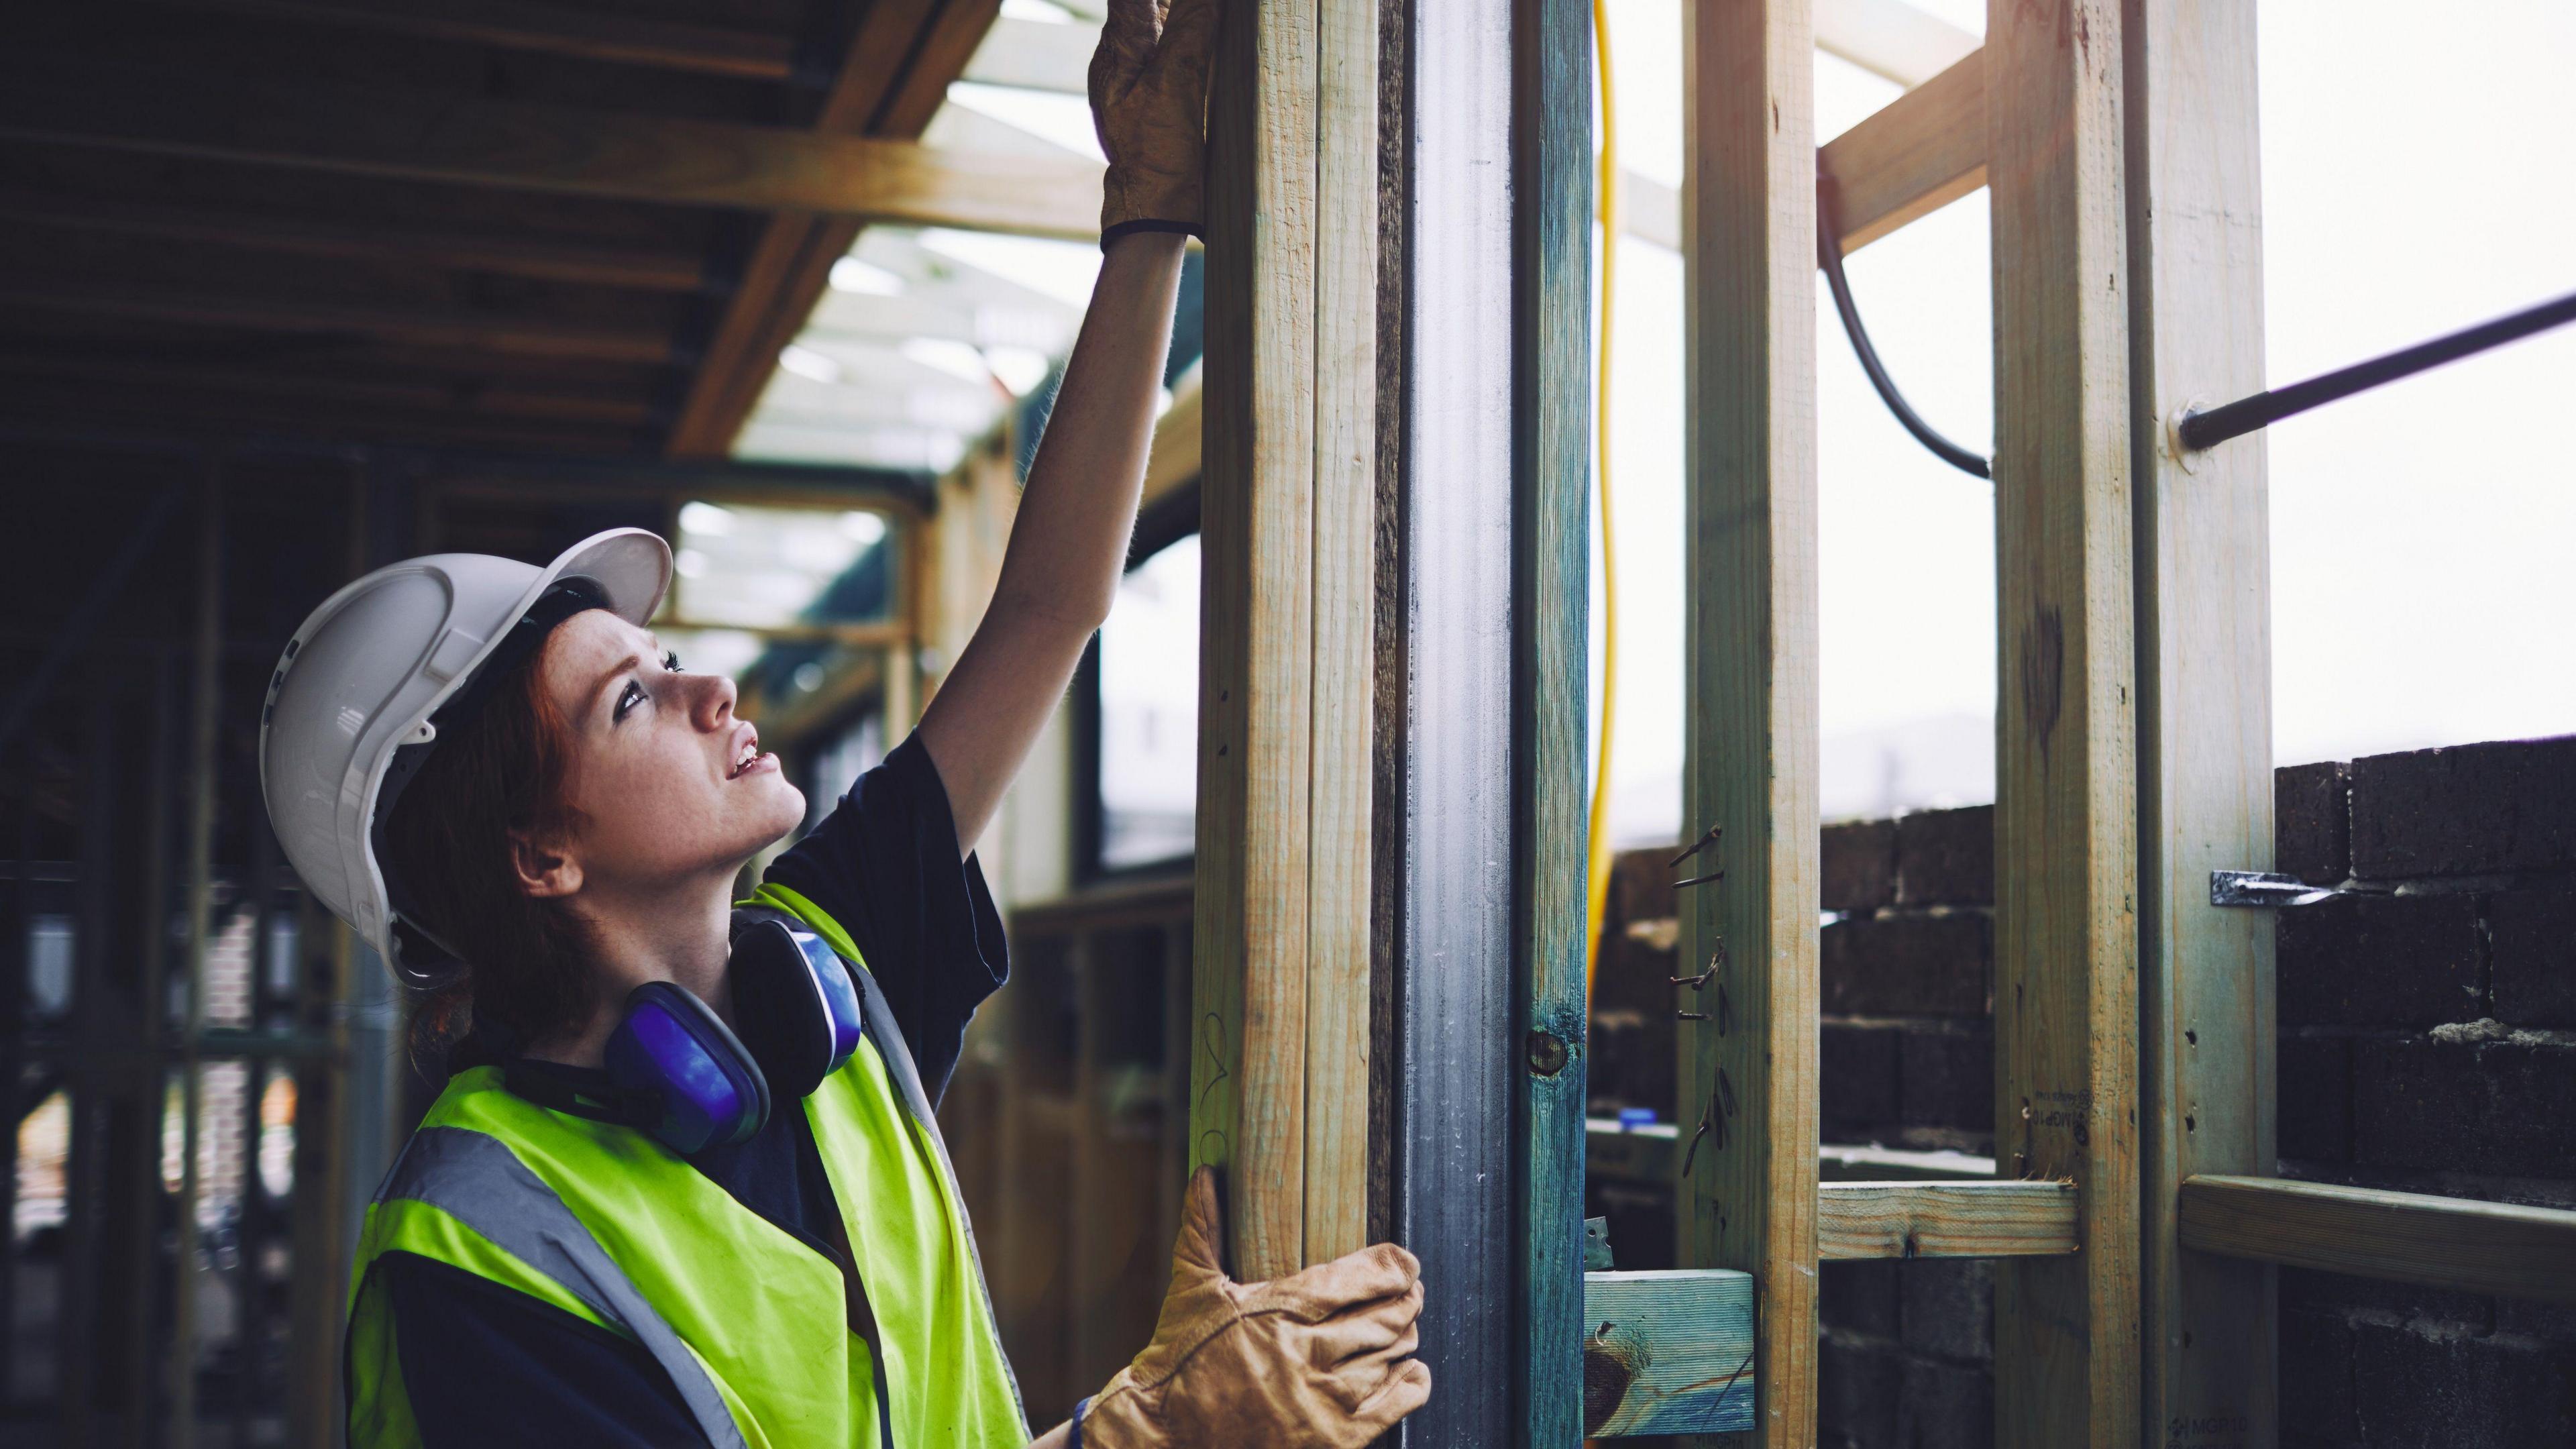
746 757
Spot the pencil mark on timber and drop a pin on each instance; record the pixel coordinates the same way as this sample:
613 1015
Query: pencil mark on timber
1213 1038
2043 673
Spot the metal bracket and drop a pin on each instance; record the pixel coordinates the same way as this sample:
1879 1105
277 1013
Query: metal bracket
2257 888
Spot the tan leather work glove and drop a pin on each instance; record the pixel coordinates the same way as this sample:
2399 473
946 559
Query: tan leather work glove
1149 83
1313 1361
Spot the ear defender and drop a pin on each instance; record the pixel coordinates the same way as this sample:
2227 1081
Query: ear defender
677 1071
793 1002
712 1092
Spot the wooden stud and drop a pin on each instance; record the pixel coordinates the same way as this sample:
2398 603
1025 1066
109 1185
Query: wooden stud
436 136
1551 638
2204 676
1917 154
2066 1003
1279 1070
1944 1219
2447 1242
1747 1200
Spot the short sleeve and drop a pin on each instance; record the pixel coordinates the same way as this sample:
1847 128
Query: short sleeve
885 865
488 1367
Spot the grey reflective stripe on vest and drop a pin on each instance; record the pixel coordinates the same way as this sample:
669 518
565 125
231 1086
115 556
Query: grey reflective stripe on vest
476 1179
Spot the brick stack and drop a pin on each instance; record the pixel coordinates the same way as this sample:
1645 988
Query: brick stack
2427 1043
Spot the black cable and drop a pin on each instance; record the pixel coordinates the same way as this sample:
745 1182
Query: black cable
1829 255
2209 429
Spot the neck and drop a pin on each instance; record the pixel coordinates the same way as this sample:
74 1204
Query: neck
667 932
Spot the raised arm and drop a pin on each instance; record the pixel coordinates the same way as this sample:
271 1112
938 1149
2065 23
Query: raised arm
1148 95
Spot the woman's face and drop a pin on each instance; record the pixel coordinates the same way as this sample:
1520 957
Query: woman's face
670 783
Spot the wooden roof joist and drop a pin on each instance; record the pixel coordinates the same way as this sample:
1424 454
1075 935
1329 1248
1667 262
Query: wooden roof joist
595 264
1917 154
424 394
524 336
429 136
588 34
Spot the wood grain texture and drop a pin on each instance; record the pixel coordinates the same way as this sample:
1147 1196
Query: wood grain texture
2066 1002
1552 218
521 336
1280 1068
1945 1219
1338 693
1748 1199
2207 1074
2448 1242
1667 1353
1917 154
434 136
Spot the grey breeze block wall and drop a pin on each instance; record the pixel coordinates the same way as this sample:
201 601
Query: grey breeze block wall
2428 1044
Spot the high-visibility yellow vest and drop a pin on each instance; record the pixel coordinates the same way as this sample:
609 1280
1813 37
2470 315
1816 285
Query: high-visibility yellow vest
607 1224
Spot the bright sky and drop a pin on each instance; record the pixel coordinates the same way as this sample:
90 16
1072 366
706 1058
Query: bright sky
2414 182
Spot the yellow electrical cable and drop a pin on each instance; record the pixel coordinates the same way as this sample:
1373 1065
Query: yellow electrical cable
1597 838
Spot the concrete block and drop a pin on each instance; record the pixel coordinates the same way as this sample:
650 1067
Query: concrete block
1859 1296
2467 810
1856 865
1856 1090
2316 1378
1907 965
2434 1388
2532 942
1946 857
2315 1098
1946 1079
2380 961
2497 1108
2312 821
1857 1386
1949 1307
1946 1407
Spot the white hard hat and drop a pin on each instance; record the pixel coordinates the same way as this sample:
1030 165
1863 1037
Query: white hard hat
366 671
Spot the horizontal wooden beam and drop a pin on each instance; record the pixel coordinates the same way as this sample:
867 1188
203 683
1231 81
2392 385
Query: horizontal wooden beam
1945 1219
435 136
590 263
428 396
525 337
511 24
1917 154
1667 1353
2448 1242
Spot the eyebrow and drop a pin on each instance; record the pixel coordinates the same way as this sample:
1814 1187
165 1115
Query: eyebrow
614 670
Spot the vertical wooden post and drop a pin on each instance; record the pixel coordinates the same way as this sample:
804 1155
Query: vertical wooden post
1279 1065
2066 1003
1551 590
2204 708
1748 1201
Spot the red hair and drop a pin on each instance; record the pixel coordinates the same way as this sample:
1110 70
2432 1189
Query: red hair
501 775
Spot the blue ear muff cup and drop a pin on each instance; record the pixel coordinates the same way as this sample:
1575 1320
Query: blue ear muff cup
793 1004
712 1091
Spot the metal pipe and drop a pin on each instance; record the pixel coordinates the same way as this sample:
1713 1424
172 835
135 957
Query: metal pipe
2200 430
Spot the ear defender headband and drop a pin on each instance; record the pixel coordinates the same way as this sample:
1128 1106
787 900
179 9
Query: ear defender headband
678 1073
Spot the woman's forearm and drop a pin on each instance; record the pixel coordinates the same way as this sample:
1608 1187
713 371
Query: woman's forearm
1069 541
1052 1439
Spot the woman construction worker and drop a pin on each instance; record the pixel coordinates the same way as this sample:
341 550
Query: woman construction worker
684 1186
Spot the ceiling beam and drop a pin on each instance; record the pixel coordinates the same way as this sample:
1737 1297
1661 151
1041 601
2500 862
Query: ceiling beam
435 136
460 397
520 336
792 263
721 50
589 263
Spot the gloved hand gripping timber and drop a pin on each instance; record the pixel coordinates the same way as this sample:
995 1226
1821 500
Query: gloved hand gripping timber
1149 86
1316 1360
